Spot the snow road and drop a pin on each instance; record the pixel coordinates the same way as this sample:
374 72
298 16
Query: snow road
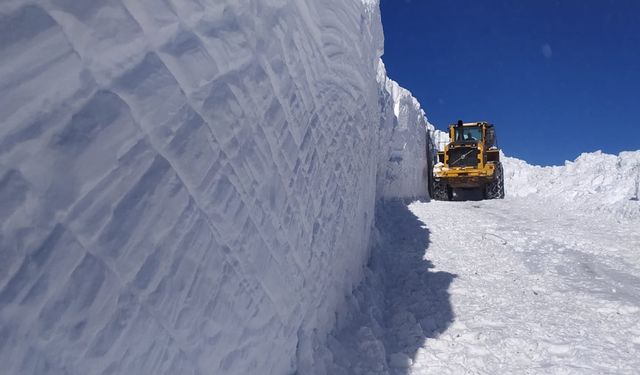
508 286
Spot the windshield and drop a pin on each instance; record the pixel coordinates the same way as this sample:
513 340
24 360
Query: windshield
468 134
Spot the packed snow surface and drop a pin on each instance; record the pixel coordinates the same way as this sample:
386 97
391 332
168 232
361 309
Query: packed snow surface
512 286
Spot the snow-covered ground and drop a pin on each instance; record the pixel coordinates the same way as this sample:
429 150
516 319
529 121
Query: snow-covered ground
514 286
537 290
545 281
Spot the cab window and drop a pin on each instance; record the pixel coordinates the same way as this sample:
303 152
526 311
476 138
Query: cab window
468 134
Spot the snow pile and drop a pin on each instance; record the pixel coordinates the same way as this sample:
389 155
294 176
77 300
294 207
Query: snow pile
595 182
189 187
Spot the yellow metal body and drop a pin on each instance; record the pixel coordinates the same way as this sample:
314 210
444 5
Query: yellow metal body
467 177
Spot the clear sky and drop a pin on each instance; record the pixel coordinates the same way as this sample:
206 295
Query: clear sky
556 77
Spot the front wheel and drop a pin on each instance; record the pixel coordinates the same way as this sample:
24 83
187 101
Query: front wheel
495 189
441 191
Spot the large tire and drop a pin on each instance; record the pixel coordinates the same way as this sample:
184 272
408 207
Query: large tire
441 191
495 189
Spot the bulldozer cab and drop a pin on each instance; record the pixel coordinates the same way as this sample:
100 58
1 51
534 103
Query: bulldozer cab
480 132
465 134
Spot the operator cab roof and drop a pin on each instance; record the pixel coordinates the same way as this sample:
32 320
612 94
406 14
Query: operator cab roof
475 124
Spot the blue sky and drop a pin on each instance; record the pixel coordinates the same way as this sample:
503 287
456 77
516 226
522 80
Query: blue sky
558 78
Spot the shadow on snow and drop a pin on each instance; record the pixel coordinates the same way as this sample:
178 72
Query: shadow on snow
418 303
401 303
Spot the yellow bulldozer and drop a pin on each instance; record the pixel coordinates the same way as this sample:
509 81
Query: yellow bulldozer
471 161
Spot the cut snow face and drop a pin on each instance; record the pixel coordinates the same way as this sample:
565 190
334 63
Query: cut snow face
188 187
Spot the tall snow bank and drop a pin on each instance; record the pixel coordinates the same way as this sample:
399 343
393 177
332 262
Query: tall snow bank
188 187
403 171
594 182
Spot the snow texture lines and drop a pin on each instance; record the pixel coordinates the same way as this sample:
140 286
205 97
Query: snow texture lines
187 187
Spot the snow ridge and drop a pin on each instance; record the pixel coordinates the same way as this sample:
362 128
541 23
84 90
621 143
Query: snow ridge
595 182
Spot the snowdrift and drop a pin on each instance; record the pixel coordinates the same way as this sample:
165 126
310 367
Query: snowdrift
595 182
188 187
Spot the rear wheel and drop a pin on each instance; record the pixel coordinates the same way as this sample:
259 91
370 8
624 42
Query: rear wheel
495 189
441 191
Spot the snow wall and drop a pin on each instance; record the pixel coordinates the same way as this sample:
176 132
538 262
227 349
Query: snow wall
404 168
188 187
